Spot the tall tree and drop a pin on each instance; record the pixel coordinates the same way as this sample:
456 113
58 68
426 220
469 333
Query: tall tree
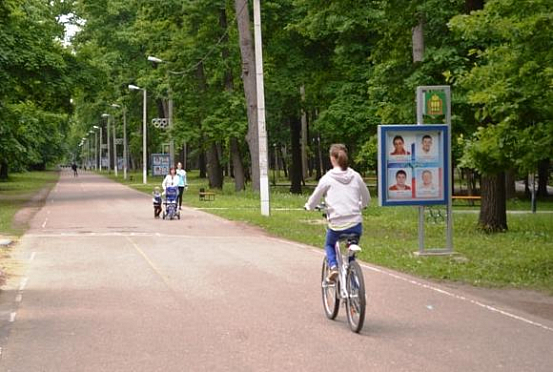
507 85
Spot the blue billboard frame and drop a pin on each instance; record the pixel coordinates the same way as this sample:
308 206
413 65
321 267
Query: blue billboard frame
444 157
160 164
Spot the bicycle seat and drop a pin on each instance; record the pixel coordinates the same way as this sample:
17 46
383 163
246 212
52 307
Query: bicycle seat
350 238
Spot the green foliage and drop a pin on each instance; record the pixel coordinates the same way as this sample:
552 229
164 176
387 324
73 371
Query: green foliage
510 81
367 156
36 74
18 190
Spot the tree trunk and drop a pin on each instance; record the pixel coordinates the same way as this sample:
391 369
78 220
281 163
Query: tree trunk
471 5
295 168
510 188
250 86
527 191
214 170
304 139
471 182
418 41
493 211
236 158
283 156
202 165
3 170
543 177
320 169
238 167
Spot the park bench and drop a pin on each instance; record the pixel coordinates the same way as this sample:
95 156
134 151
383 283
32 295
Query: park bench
470 199
206 195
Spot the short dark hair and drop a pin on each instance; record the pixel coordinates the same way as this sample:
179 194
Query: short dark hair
401 171
426 136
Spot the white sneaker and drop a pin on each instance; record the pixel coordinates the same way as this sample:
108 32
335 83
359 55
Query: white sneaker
332 274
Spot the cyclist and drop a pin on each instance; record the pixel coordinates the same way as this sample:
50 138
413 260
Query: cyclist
345 196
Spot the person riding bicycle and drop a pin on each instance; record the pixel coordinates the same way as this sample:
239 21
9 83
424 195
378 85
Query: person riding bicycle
346 195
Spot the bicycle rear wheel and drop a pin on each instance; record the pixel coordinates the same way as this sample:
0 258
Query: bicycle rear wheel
356 301
330 291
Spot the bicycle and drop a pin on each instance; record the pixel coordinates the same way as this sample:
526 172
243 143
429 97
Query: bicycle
352 294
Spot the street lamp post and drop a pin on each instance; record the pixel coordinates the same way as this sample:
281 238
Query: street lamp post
108 116
144 133
114 150
125 156
261 127
96 146
169 109
101 144
90 145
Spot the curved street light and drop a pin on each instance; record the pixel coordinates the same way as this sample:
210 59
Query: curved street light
125 155
144 133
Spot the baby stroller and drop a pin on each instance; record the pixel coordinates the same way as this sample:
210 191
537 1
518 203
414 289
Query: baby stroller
171 208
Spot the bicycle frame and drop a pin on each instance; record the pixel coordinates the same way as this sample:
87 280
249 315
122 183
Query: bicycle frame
343 263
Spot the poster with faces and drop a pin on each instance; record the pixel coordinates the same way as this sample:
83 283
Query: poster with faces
412 162
427 182
427 147
400 185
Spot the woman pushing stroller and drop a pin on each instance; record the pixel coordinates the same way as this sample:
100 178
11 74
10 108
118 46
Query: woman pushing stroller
170 189
171 180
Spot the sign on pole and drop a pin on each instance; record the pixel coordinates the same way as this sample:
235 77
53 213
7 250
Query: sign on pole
414 161
413 164
161 123
160 164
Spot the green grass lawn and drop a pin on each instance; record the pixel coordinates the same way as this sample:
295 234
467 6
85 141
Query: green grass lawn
519 258
18 190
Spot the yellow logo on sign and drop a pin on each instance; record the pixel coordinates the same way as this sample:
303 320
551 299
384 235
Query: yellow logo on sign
435 105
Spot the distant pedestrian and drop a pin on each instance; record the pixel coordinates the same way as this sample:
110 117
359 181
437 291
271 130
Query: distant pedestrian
74 167
182 182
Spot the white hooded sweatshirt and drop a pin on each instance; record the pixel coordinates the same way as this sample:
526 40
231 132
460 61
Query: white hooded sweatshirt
345 195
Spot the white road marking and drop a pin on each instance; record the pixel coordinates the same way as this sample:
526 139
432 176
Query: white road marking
23 284
320 252
45 222
19 297
456 296
33 255
12 317
430 287
126 234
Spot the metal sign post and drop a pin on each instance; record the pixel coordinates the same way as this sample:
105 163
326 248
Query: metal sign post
434 107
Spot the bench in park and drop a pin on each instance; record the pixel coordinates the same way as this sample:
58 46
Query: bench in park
470 199
206 195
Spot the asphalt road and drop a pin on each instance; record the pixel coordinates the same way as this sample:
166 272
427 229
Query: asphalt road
105 287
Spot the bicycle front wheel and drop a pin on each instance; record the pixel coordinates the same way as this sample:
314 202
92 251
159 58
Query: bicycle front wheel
330 290
356 301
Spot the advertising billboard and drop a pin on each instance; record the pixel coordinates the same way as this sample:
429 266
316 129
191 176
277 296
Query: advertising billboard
160 164
413 164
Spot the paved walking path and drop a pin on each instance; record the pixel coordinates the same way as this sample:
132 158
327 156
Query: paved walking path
105 287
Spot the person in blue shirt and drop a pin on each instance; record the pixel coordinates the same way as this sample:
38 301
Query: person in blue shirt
182 182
